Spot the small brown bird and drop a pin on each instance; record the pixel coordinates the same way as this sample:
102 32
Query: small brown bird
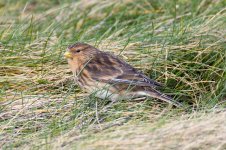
108 76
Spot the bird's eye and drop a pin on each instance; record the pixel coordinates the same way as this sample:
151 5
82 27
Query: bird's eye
78 51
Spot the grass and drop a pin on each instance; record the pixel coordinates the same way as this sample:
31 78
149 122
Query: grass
180 43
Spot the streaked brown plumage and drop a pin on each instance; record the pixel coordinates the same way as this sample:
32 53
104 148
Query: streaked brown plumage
108 76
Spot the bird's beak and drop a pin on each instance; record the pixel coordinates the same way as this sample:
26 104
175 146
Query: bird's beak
67 55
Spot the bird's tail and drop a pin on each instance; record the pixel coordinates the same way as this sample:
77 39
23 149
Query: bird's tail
163 97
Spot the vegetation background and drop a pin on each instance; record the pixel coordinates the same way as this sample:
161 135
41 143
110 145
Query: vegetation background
181 43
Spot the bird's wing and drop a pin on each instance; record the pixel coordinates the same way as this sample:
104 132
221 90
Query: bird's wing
111 69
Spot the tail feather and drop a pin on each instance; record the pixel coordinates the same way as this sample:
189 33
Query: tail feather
163 97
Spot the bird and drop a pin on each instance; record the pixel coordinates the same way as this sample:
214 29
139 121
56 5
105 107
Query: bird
107 76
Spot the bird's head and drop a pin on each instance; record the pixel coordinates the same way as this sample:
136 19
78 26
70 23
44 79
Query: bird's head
81 52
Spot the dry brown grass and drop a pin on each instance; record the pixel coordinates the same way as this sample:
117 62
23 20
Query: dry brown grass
189 132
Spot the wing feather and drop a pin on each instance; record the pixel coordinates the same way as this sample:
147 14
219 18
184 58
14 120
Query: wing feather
111 69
